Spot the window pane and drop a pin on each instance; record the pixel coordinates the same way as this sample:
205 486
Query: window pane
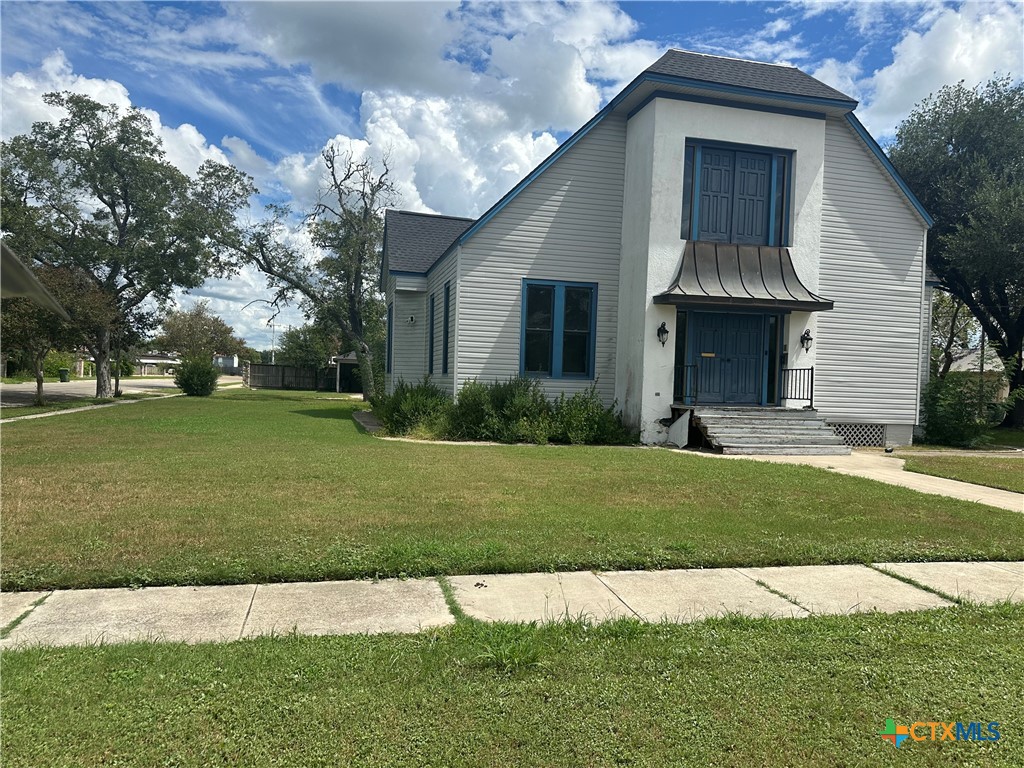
540 301
576 353
537 356
577 309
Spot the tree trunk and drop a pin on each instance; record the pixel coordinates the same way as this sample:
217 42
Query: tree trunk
37 364
117 373
102 355
1015 373
366 370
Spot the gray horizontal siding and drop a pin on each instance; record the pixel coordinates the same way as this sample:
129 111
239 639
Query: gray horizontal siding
868 354
409 340
566 225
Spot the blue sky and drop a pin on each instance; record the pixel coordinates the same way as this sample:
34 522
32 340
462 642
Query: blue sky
465 98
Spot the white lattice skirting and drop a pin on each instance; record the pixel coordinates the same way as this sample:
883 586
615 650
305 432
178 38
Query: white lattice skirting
860 435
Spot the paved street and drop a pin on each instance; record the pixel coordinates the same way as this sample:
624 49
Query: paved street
15 395
222 614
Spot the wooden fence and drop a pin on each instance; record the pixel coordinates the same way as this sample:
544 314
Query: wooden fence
258 376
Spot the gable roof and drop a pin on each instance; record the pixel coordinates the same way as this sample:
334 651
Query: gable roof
414 241
740 73
696 71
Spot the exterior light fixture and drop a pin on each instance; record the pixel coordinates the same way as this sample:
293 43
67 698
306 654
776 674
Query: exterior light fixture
806 339
662 334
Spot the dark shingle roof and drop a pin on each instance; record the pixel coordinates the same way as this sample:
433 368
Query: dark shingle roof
771 78
414 241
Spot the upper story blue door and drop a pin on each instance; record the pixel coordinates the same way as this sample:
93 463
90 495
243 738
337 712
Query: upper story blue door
729 352
735 189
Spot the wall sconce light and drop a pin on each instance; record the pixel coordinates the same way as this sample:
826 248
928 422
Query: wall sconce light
662 334
806 339
412 319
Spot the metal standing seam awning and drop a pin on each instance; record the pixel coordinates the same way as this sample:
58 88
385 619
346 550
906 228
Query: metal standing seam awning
724 276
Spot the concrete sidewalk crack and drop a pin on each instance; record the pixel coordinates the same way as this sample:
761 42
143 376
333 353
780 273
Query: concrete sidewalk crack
241 632
617 595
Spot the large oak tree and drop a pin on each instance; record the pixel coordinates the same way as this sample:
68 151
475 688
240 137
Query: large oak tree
962 152
95 192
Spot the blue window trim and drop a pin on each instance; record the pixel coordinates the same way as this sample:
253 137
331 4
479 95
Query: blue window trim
391 334
430 337
775 154
558 323
447 326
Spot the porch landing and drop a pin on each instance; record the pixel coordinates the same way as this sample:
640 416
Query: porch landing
754 431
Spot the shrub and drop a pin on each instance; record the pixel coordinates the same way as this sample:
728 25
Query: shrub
197 377
518 413
55 360
952 415
582 419
423 408
512 411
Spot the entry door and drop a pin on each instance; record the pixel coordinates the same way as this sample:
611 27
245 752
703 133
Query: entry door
728 351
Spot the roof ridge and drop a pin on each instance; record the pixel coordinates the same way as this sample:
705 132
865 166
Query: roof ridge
432 215
733 58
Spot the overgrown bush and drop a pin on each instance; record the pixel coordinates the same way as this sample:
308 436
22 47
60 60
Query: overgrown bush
583 419
423 409
197 377
512 411
962 406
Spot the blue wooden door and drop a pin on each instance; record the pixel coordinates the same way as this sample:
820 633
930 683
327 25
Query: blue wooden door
750 210
734 202
717 168
728 351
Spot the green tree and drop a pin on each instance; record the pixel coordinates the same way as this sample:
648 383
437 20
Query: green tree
339 289
35 331
953 329
962 152
94 191
308 346
198 334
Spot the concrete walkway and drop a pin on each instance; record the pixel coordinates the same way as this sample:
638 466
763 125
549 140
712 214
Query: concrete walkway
888 469
222 614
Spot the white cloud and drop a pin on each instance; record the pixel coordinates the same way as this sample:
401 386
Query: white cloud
23 93
970 43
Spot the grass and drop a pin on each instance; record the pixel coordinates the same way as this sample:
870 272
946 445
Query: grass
1005 437
994 471
10 412
283 486
726 692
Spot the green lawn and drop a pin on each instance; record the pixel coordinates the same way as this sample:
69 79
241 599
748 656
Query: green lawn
1003 437
30 410
267 486
729 692
994 471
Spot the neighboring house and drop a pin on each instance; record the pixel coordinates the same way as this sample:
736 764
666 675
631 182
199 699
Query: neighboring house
992 370
154 363
722 233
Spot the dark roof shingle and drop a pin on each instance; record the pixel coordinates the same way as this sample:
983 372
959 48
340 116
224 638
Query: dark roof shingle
771 78
414 241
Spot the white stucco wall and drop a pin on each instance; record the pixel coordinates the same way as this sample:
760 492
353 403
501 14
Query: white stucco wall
652 209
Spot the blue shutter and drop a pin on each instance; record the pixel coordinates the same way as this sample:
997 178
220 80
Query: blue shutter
447 326
391 323
430 337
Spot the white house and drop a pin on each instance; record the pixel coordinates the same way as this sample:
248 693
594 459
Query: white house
724 240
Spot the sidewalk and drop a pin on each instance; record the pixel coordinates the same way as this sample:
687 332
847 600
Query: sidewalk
223 614
888 469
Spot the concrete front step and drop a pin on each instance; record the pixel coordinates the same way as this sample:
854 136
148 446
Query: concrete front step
766 431
780 438
776 415
786 450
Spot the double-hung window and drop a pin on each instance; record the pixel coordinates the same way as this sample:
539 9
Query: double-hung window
447 326
430 337
734 194
391 335
559 329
